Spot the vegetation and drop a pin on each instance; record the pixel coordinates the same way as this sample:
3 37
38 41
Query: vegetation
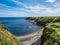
6 38
51 34
42 21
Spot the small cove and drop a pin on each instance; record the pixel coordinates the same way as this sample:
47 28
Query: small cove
18 26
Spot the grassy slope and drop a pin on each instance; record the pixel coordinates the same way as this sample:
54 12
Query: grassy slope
52 34
7 38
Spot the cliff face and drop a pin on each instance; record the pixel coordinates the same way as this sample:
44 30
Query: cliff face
38 42
51 34
6 38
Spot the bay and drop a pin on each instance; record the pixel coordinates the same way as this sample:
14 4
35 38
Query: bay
18 25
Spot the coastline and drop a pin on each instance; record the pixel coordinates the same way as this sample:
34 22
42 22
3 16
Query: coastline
31 38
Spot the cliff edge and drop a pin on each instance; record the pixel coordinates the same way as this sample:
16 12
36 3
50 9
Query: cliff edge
6 38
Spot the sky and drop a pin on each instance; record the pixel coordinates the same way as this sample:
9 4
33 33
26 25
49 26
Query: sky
29 8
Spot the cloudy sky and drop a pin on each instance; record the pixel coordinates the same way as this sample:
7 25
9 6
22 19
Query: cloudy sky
24 8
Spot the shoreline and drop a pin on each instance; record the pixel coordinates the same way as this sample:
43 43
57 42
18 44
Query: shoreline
31 38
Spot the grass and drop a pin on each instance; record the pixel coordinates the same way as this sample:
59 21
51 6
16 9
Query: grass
52 34
51 25
6 38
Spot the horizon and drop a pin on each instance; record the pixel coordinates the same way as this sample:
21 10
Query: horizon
30 16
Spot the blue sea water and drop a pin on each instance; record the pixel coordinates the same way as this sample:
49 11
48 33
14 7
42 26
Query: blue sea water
18 26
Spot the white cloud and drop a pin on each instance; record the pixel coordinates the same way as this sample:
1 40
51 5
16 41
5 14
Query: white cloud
52 1
4 5
19 3
5 13
57 5
36 9
41 10
29 10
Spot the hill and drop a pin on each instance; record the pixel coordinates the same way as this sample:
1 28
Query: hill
6 38
52 34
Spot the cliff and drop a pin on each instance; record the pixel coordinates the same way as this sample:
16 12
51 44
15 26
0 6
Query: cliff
51 32
51 35
6 38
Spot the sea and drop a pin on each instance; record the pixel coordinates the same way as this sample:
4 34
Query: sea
18 26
